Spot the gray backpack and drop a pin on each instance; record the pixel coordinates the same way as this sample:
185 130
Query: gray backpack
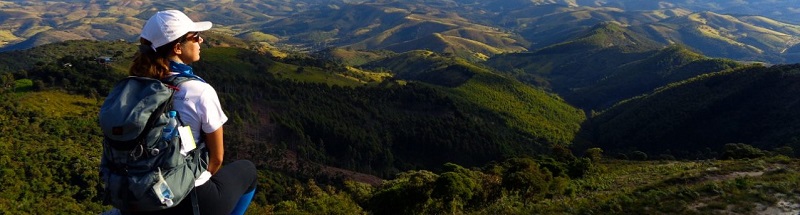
141 170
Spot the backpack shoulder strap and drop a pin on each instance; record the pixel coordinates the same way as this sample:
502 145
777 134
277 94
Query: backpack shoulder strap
176 80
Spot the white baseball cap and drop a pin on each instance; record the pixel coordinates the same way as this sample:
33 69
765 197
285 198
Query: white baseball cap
169 25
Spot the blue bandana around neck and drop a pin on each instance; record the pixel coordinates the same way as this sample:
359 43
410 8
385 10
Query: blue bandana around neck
183 70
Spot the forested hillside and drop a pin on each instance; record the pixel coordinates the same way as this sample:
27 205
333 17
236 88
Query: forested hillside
49 153
321 113
606 65
357 127
695 118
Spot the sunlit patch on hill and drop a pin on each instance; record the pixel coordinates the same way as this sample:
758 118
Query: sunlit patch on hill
56 103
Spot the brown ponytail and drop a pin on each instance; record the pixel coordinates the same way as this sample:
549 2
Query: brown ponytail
152 63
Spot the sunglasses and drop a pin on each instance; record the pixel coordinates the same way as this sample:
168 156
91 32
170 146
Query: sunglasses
194 38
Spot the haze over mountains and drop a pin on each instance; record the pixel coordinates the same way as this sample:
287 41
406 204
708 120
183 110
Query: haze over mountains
764 31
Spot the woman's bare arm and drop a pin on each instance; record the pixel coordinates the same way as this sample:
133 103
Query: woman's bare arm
216 150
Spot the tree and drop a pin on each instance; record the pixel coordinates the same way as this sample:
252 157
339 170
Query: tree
638 155
562 154
579 167
7 81
409 193
595 154
741 150
785 150
454 190
39 85
525 175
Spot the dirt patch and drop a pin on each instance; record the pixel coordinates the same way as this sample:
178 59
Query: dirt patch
735 175
784 206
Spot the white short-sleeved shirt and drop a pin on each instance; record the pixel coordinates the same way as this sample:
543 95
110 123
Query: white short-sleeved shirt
198 106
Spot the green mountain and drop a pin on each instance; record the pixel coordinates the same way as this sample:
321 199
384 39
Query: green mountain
533 111
696 117
552 24
740 37
605 65
748 38
666 66
352 57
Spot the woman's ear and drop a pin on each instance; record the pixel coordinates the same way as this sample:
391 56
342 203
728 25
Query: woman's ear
177 49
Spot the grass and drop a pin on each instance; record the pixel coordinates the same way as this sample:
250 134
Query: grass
259 37
23 85
230 59
313 75
681 187
226 58
58 104
367 76
6 36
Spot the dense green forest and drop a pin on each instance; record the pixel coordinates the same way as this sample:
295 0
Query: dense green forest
475 143
695 118
49 155
383 128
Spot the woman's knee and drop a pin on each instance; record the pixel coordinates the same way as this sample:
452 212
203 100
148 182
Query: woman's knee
247 170
246 167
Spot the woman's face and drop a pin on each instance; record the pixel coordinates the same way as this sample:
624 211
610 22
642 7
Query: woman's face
190 48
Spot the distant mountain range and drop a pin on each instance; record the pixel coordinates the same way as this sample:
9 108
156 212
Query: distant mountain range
477 30
607 64
783 10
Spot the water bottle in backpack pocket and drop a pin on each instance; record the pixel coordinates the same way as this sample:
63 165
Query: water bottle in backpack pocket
169 131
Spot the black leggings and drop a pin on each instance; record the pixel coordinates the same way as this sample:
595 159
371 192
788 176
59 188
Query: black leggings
221 193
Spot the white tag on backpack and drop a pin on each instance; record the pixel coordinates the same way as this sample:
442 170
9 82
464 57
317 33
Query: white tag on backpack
187 140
